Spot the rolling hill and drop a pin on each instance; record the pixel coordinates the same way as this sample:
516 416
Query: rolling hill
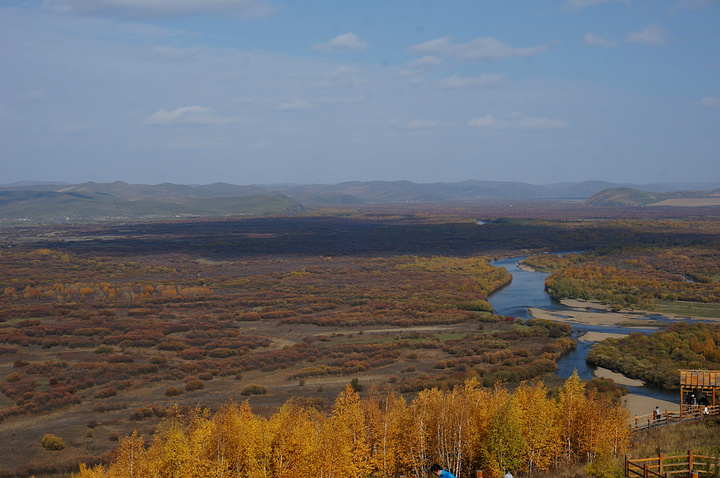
83 204
634 197
90 200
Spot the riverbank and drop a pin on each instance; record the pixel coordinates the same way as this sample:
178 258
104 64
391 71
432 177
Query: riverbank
637 404
595 313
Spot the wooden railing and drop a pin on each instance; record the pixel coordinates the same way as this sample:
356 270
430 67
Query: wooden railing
690 412
692 465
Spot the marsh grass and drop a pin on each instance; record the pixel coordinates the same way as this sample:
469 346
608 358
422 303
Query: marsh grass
696 309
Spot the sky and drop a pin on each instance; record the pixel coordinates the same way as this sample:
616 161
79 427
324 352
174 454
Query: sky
328 91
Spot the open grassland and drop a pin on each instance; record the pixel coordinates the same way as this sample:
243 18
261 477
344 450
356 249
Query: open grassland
688 309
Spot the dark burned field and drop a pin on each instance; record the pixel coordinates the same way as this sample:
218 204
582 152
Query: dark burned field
106 328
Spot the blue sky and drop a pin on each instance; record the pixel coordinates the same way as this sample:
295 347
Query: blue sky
311 91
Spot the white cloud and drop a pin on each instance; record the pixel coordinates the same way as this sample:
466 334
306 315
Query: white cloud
711 101
489 122
346 42
580 4
409 125
482 81
428 61
295 105
164 8
650 35
515 122
593 39
478 49
188 115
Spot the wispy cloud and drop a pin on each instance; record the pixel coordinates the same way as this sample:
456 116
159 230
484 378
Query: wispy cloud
478 49
593 39
580 4
295 105
711 101
409 125
188 116
163 8
527 123
650 35
346 42
460 82
428 61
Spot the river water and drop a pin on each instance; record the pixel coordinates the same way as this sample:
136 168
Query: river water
527 289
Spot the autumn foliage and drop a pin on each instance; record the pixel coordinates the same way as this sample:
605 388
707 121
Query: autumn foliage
467 428
657 358
635 277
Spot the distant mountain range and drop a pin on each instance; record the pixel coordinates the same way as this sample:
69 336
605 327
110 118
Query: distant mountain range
123 200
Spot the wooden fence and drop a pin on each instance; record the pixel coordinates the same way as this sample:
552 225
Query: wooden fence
690 412
691 465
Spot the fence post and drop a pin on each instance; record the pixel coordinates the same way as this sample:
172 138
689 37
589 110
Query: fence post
667 418
660 462
478 474
646 470
690 461
627 466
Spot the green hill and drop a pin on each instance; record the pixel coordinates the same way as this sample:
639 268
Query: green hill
623 197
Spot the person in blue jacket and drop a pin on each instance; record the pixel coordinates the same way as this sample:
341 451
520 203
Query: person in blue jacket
438 470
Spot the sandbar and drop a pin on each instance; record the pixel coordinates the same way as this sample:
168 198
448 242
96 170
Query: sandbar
639 405
618 378
595 313
600 336
583 316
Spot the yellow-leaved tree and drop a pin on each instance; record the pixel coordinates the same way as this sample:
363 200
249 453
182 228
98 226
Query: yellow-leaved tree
463 429
539 426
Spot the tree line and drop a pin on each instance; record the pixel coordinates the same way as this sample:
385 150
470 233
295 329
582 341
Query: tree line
383 435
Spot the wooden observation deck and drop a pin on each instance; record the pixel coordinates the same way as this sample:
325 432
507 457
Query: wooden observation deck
693 382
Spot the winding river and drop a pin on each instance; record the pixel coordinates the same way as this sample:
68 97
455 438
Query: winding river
526 290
